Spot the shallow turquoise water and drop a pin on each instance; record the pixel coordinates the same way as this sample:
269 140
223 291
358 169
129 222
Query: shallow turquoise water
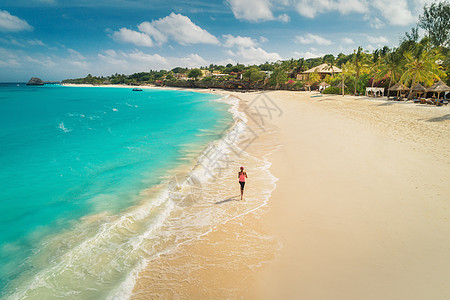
71 152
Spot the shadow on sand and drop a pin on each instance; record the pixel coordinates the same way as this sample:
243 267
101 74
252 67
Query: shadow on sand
233 198
439 119
386 104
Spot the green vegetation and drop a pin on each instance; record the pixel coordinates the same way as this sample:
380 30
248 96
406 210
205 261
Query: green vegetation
332 90
253 74
414 61
195 73
436 21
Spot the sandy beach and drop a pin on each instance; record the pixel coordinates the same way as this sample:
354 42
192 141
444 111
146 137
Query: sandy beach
361 206
354 195
360 209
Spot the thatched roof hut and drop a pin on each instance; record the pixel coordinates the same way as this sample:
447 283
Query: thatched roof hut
323 70
323 85
398 87
418 88
439 87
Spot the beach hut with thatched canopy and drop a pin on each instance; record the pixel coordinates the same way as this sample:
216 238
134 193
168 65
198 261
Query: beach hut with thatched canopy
323 70
439 87
418 90
323 85
398 87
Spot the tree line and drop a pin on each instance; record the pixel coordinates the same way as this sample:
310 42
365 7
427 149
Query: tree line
415 60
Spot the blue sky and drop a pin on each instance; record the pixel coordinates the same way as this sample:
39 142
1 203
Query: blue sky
58 39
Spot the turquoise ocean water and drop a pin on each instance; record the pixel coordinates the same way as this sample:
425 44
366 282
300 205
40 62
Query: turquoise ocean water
73 161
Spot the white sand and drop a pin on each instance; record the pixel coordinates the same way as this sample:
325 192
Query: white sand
361 206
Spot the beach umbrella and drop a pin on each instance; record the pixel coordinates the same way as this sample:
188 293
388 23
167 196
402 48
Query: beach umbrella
418 89
398 87
439 87
323 85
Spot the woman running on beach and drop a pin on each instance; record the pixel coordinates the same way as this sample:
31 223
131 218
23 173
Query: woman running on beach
242 175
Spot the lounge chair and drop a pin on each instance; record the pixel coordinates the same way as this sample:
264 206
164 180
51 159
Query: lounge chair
415 100
441 102
430 101
423 100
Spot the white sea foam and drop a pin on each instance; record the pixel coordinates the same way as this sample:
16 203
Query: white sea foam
63 128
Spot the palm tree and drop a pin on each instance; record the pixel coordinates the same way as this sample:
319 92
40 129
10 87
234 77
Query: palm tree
375 64
347 69
421 65
391 65
359 63
330 61
278 76
299 66
289 66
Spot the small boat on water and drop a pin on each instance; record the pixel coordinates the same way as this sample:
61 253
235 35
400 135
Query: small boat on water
137 90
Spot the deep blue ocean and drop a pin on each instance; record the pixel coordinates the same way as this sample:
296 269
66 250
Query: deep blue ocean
68 153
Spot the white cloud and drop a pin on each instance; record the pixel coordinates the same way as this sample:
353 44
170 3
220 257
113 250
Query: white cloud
150 29
312 39
75 54
20 64
247 50
21 43
36 42
283 18
231 53
9 59
418 4
370 48
138 61
239 41
14 42
148 59
10 23
311 8
396 12
179 28
347 41
263 39
375 22
307 54
378 40
192 60
255 55
125 35
251 10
